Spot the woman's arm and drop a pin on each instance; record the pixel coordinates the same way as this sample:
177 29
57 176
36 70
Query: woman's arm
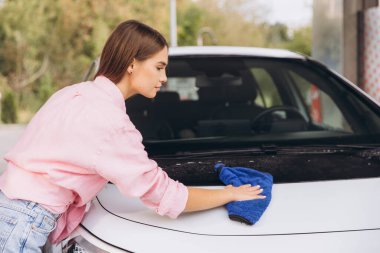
202 199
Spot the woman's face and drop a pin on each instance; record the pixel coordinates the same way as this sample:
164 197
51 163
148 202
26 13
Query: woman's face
149 75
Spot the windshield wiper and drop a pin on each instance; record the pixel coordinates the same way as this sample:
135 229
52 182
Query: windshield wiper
269 149
213 153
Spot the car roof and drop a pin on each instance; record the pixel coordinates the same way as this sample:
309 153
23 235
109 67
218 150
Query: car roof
234 51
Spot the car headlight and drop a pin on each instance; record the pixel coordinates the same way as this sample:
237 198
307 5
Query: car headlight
80 245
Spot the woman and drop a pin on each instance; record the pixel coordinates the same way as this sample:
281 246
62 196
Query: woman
82 138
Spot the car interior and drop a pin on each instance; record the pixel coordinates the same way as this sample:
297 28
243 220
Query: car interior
225 98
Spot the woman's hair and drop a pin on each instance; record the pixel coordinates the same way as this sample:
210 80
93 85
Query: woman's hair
130 40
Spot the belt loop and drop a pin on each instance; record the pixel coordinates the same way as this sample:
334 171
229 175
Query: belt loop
31 205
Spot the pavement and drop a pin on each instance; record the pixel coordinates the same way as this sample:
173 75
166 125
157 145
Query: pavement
9 134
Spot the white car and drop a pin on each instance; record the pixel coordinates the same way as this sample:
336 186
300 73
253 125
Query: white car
268 109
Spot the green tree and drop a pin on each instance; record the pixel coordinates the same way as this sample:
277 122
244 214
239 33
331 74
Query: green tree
189 23
277 34
230 24
8 108
280 36
300 41
48 44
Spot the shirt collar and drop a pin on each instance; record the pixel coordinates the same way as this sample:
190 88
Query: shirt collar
111 89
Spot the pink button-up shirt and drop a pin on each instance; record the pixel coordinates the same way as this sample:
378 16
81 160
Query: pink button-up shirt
77 142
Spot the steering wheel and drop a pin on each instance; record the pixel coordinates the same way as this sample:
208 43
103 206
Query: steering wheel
261 123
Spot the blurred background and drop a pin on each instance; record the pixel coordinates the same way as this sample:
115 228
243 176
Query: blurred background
48 44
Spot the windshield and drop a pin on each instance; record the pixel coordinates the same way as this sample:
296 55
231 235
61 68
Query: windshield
249 98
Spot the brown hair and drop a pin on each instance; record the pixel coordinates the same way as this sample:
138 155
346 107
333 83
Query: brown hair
130 40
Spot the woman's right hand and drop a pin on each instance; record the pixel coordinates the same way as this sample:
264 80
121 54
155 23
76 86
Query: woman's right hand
202 199
244 192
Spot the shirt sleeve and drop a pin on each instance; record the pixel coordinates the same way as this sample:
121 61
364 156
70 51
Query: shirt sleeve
122 159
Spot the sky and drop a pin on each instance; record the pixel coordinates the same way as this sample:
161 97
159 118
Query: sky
294 13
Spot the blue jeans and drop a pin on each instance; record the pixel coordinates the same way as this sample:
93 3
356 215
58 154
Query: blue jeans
24 225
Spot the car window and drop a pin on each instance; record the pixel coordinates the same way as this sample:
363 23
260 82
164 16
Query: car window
268 92
321 107
243 97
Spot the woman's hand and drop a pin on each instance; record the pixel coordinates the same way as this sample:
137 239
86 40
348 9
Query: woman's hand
244 192
202 199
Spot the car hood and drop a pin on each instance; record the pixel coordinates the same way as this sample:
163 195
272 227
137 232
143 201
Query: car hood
300 214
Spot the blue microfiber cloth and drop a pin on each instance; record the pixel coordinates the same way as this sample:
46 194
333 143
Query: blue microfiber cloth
248 211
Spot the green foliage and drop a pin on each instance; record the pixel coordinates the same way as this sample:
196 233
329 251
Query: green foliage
189 24
229 25
45 88
3 84
279 36
48 44
301 41
8 108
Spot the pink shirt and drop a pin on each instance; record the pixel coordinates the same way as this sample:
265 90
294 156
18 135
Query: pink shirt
77 142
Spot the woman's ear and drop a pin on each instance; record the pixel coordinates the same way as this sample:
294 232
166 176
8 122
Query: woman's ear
130 67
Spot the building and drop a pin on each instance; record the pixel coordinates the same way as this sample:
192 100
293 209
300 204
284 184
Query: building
346 37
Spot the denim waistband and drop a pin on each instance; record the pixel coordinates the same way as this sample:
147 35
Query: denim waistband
25 206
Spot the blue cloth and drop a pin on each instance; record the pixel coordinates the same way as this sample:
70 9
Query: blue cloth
248 211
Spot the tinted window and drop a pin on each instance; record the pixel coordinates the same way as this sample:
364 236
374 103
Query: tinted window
269 94
247 97
320 106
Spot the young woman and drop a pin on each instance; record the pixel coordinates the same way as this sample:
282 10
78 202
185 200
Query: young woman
82 138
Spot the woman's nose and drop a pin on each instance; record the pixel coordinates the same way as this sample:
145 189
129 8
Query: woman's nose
163 78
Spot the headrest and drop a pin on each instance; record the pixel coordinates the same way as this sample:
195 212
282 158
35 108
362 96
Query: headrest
241 93
210 94
202 81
